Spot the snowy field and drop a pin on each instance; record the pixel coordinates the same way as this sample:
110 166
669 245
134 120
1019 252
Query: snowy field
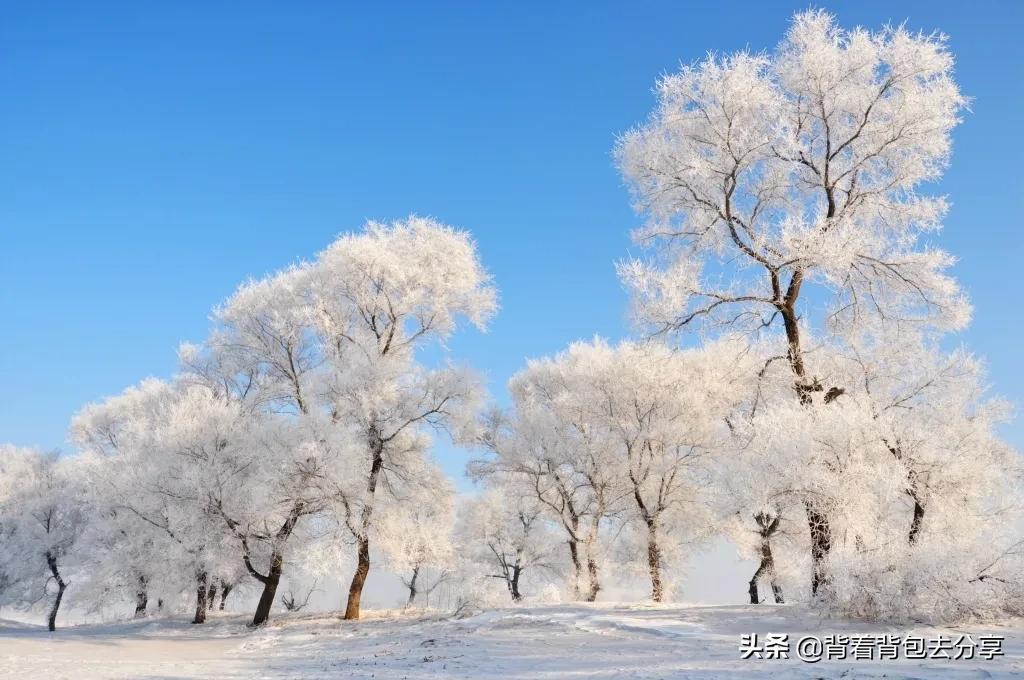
558 641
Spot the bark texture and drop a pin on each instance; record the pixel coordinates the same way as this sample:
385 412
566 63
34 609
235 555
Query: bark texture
141 598
225 590
201 591
768 525
821 545
595 581
272 579
211 595
51 562
355 589
654 562
916 522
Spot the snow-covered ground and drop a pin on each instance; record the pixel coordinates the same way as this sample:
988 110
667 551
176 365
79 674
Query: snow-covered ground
556 641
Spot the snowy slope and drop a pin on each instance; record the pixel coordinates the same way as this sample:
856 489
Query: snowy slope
558 641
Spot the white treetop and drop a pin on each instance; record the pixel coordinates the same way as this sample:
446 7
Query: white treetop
802 166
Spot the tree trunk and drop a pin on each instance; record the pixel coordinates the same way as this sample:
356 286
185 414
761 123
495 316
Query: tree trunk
595 583
270 583
577 567
412 587
821 544
911 491
201 591
817 520
915 524
225 588
752 587
51 562
355 590
513 585
654 562
211 595
769 524
766 567
591 540
141 599
272 578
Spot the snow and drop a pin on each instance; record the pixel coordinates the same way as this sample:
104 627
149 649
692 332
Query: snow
554 641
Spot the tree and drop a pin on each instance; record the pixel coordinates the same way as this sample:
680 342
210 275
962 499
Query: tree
176 451
792 169
547 448
938 538
40 503
504 532
916 483
664 410
637 421
750 482
415 533
933 417
308 392
375 298
126 556
261 359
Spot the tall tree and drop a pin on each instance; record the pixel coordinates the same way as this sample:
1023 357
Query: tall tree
765 174
261 358
375 299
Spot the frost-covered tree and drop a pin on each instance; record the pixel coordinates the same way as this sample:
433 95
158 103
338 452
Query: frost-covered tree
941 538
261 358
503 531
127 556
41 521
308 394
124 560
751 496
767 176
177 450
375 298
537 463
634 421
917 485
415 534
663 410
548 447
932 415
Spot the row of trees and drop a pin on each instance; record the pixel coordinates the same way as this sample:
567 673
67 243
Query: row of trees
304 411
817 420
642 451
784 231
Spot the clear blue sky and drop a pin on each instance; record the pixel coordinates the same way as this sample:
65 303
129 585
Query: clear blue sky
153 155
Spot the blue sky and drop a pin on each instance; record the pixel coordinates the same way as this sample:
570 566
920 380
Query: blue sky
154 155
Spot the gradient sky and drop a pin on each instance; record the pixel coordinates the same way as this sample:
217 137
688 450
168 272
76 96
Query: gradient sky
154 155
